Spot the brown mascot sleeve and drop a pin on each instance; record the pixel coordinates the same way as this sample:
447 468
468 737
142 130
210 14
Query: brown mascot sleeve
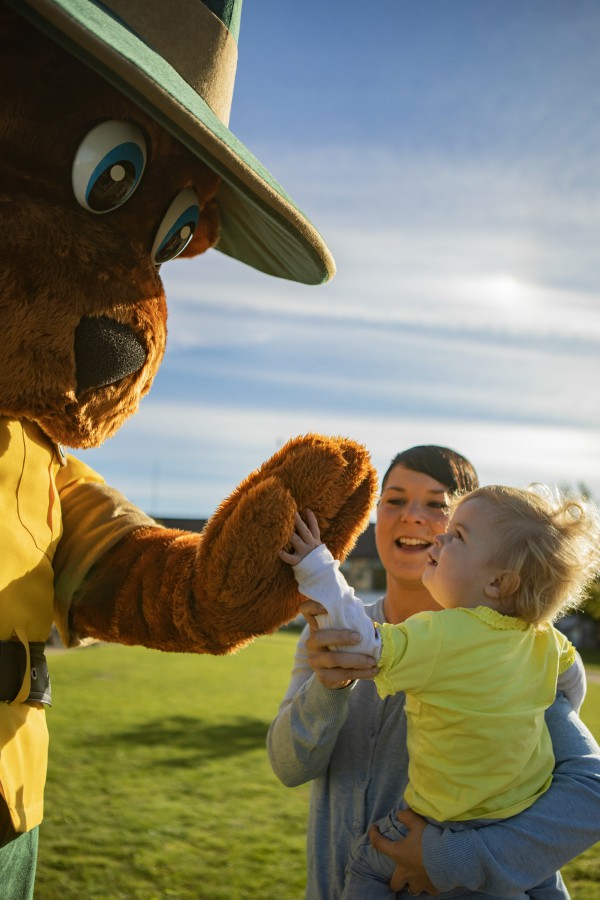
214 592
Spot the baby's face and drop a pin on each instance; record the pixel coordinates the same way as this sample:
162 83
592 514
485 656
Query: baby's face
460 563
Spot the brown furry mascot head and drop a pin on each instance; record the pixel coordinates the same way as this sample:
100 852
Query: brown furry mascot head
110 167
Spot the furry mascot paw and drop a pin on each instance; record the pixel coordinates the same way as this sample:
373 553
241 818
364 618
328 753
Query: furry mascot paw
115 158
213 592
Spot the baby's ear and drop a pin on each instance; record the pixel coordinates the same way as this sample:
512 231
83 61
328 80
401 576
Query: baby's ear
503 585
208 231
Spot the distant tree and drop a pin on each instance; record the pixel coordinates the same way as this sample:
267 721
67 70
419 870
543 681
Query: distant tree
591 605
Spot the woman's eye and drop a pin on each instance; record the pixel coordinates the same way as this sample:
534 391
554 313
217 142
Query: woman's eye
177 227
108 166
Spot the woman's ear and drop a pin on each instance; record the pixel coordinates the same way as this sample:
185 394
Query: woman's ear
503 585
207 232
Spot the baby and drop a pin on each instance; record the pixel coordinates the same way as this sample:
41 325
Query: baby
479 673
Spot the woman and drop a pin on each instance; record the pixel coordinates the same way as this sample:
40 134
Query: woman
333 730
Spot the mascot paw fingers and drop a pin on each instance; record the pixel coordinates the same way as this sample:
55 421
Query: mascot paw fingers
321 473
335 478
320 470
237 564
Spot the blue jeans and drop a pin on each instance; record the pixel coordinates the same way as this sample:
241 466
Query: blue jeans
369 872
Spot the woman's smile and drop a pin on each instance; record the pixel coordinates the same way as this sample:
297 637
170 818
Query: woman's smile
412 544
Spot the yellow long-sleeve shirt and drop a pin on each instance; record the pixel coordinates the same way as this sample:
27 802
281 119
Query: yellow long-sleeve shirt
477 685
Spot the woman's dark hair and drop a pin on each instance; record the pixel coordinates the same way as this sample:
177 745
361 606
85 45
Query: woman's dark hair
445 465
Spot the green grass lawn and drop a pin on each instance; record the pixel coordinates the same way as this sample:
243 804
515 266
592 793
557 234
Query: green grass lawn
159 785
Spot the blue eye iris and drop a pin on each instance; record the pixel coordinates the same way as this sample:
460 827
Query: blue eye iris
108 166
177 227
115 178
178 236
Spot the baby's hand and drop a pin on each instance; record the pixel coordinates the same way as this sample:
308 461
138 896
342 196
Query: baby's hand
305 538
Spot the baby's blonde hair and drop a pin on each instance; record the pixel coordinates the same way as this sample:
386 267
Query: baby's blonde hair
550 539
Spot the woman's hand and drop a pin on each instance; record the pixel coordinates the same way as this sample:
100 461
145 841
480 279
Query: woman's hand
334 668
407 854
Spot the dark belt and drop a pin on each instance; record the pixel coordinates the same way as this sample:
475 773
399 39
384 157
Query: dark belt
13 665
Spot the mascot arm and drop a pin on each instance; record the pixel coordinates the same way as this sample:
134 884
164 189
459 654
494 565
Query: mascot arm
95 518
214 592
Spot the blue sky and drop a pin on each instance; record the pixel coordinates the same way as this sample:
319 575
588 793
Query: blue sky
449 152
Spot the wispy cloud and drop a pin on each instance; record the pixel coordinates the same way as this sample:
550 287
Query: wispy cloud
183 459
457 184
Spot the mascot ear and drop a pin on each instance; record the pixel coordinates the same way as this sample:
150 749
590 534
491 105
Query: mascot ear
207 231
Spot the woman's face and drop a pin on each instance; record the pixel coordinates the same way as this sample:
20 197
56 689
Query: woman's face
411 511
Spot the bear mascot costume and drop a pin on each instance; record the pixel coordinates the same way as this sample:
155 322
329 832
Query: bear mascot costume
115 157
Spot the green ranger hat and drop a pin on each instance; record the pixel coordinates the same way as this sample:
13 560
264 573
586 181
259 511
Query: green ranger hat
176 59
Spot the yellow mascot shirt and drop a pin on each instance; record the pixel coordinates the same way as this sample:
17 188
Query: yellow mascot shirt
57 517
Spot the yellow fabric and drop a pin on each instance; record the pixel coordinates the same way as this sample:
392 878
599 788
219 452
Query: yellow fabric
477 684
30 527
95 518
53 516
23 762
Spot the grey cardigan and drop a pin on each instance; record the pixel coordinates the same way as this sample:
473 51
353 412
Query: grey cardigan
352 747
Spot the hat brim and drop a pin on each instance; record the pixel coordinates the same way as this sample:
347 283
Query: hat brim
260 224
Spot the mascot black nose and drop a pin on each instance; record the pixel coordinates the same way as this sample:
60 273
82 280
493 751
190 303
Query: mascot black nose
105 352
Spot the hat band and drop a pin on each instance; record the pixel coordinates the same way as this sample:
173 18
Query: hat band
192 39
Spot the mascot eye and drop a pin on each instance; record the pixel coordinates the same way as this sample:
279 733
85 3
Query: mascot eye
177 227
108 166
